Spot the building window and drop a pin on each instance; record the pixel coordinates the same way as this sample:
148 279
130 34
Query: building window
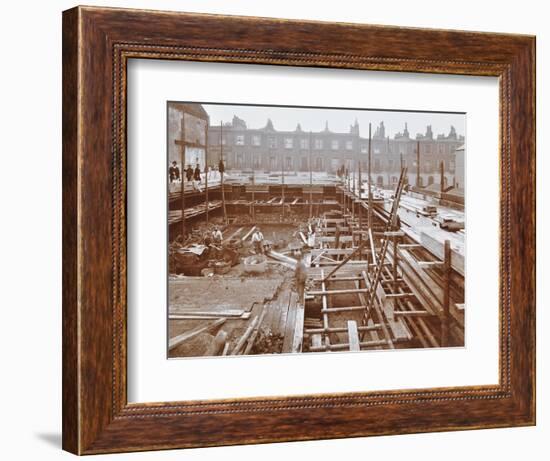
318 144
239 140
304 163
376 150
349 145
239 160
224 141
272 142
364 149
288 143
256 161
394 179
319 163
390 164
377 164
334 144
427 166
304 144
273 163
256 140
288 163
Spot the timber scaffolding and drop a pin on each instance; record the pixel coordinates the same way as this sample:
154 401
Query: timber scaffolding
370 284
233 199
375 287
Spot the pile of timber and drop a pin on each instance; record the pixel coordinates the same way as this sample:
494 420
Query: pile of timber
174 216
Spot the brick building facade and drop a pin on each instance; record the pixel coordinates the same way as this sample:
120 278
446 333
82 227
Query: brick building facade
271 150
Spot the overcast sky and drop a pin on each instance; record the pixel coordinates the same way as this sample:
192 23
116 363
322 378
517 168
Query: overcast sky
339 120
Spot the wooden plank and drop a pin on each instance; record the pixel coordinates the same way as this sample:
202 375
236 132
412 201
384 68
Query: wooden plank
234 234
249 233
244 337
397 326
337 292
177 340
285 302
209 313
210 316
298 331
290 323
316 340
353 336
325 306
437 249
256 331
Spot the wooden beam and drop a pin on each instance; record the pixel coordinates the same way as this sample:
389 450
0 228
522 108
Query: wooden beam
177 340
345 346
298 331
311 331
290 323
256 331
353 336
248 234
245 336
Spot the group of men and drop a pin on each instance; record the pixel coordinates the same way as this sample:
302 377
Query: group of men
191 174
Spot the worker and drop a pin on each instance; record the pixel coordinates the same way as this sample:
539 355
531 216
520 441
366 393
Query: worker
189 173
258 241
197 173
197 178
174 172
217 236
300 276
221 167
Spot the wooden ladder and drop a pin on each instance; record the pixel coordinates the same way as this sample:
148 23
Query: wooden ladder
390 225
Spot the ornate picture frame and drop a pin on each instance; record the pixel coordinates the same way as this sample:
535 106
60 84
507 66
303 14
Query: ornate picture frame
97 44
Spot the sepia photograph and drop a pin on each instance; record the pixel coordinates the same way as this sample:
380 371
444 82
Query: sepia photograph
313 229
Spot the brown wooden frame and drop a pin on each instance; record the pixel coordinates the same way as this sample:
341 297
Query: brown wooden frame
97 43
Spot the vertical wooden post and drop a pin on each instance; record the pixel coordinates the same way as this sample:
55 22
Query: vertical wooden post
183 231
206 169
370 182
283 183
441 176
310 180
354 191
446 294
221 173
394 263
417 163
360 187
253 194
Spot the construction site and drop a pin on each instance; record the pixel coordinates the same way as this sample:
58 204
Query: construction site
277 261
